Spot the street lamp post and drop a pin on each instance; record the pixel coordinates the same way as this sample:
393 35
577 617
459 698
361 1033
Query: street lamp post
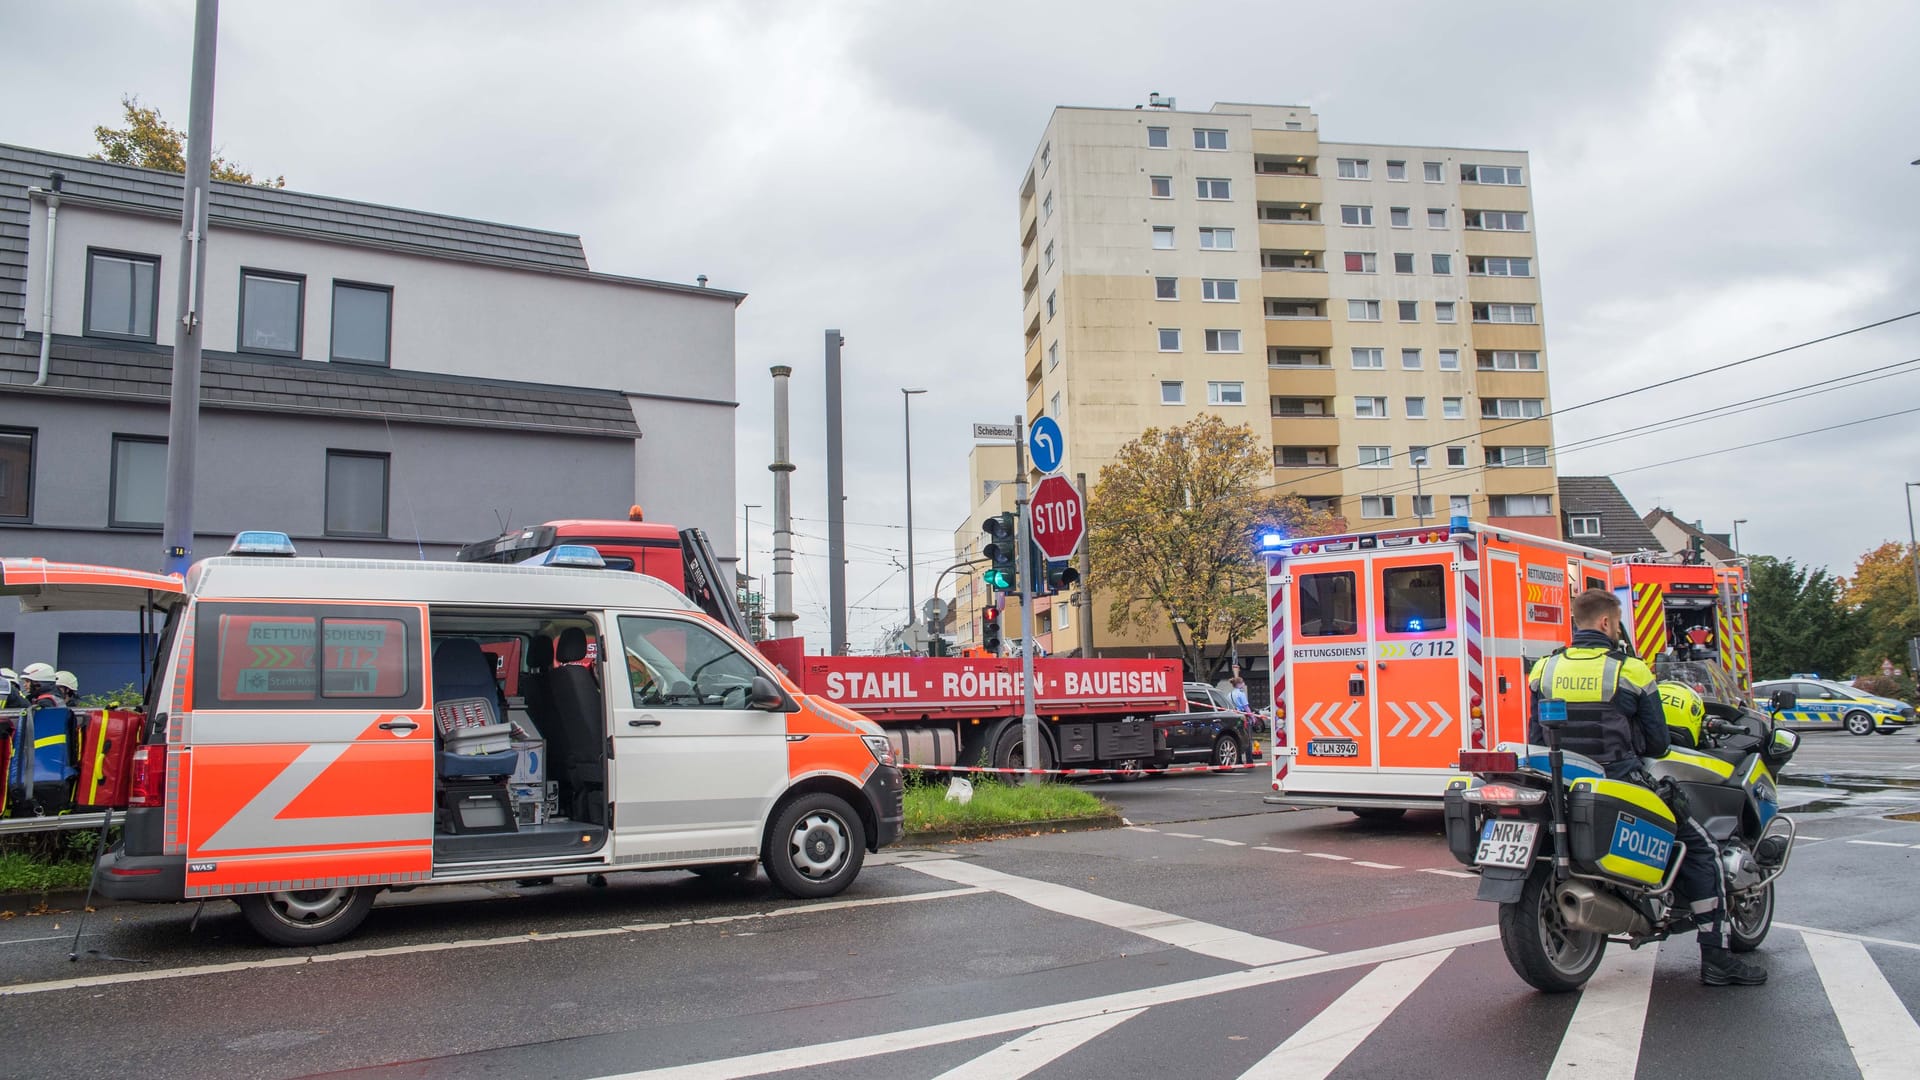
906 413
1913 547
1419 466
1737 522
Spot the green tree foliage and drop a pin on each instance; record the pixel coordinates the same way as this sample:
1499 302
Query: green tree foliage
1880 596
1798 620
150 142
1173 525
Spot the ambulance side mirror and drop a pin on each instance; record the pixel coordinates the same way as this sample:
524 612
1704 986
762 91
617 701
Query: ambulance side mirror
765 696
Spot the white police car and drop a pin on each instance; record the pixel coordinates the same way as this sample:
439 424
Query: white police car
1825 703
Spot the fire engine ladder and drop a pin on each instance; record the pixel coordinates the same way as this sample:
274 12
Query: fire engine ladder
707 582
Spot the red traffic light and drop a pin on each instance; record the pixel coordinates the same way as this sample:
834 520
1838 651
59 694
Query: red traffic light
990 612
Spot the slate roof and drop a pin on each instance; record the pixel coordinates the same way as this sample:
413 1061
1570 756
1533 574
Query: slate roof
118 371
1715 543
1621 529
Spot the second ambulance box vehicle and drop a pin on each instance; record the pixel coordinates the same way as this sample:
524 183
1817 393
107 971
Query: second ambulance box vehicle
321 729
1393 651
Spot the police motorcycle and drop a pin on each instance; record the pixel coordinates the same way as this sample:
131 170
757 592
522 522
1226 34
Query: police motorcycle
1577 861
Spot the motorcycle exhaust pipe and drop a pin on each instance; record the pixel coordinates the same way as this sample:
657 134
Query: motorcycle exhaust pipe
1583 907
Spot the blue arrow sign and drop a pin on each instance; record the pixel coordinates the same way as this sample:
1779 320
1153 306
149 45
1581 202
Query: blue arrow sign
1047 444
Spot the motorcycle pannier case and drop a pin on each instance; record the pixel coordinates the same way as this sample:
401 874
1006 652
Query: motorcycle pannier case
1619 829
107 743
1462 840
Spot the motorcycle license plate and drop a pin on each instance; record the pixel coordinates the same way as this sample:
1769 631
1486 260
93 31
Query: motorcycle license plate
1506 843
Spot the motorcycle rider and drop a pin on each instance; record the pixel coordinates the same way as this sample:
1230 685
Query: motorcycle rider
1615 717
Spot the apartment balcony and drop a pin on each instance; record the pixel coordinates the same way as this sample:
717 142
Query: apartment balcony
1521 336
1300 381
1286 188
1030 220
1502 290
1286 144
1485 242
1495 197
1036 400
1297 288
1293 262
1299 333
1295 236
1314 456
1034 353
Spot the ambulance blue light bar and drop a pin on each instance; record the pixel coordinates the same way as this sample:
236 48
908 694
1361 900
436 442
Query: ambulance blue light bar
265 542
1272 541
573 556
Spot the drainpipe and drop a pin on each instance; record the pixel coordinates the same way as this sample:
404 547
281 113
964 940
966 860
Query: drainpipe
46 290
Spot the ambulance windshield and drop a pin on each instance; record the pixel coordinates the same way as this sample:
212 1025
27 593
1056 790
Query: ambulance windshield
1416 598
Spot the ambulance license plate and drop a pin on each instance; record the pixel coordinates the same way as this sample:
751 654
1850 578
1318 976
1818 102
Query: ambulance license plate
1333 748
1506 843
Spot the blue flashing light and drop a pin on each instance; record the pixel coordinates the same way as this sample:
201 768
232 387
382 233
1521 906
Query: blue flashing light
572 556
1271 541
263 542
1552 712
1458 523
1414 626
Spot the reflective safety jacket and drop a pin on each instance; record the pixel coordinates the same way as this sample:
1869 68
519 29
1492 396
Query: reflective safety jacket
1613 703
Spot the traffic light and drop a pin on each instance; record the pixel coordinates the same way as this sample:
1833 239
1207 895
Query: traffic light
1049 577
990 629
1001 551
1062 577
1697 550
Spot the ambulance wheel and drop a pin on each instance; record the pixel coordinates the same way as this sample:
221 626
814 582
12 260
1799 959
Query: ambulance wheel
1749 917
306 916
1226 752
1550 955
815 846
1010 751
1380 813
1859 723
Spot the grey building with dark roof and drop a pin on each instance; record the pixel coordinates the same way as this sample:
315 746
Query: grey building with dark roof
376 381
1594 513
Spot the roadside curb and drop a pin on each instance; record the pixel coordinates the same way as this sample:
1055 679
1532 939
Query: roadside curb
1012 828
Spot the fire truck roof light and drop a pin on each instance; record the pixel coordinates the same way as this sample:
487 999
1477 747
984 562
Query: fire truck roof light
263 542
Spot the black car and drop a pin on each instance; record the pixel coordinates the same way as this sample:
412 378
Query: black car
1210 731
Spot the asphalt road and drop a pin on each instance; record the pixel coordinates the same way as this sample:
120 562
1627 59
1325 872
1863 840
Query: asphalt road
1215 937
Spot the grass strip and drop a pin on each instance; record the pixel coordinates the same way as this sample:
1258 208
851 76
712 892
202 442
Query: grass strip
20 872
995 803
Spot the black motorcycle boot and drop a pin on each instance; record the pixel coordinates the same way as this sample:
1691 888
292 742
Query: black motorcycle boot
1720 967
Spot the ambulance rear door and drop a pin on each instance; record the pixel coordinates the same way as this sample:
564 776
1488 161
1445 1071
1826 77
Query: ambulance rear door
1418 658
1328 650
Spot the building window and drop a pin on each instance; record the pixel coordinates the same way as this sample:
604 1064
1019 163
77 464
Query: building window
1583 526
1049 255
1403 262
1216 239
1376 506
1396 170
1505 360
1214 189
1443 311
1053 303
1053 356
16 475
1157 137
1400 217
1362 262
1053 406
1423 506
1516 457
1511 408
1499 266
1431 172
1046 158
1370 408
1503 313
1169 339
1046 207
1278 357
1410 359
1449 359
1293 406
1519 506
1363 311
1223 341
1436 219
362 323
122 292
1497 220
1375 457
1209 139
1220 290
271 312
1226 393
356 493
1356 215
137 489
1456 457
1508 175
1442 264
1060 610
1163 237
1453 408
1416 408
1409 311
1300 457
1354 169
1460 505
1161 186
1173 393
1166 288
1370 359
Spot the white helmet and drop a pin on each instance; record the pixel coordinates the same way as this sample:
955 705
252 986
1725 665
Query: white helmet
38 673
66 680
8 674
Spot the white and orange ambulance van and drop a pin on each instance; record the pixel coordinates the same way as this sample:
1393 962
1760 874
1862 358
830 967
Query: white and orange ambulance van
320 729
1393 651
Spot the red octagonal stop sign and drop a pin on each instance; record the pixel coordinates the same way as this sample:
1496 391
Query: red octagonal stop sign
1058 517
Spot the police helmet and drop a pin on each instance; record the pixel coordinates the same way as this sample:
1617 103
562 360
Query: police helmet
1686 713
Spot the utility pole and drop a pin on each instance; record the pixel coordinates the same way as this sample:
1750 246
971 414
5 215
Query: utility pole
906 416
836 506
183 415
1086 577
1023 528
1913 556
783 616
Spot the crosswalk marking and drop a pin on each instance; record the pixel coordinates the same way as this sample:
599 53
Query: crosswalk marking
1225 843
1318 1048
1204 938
1879 1029
1277 850
1603 1038
1375 865
1035 1049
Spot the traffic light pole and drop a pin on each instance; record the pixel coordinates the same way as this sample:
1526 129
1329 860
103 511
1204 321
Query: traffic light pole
1030 720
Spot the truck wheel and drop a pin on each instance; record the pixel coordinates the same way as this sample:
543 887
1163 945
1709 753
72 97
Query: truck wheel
1226 752
306 916
1859 723
1010 751
815 846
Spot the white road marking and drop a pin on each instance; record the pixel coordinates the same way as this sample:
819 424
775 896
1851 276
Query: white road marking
1376 865
1206 939
85 982
1449 873
48 937
1185 835
1225 843
1318 1048
1849 937
1877 843
1882 1034
1036 1049
1138 828
1602 1041
830 1053
1324 855
1277 850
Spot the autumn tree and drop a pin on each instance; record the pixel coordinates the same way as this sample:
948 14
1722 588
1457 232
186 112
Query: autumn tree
1173 525
1880 595
1798 620
151 143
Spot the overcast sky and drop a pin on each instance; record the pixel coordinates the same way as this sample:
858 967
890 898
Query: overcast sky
1711 181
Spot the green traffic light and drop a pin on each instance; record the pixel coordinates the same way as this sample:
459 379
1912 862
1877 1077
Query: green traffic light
998 579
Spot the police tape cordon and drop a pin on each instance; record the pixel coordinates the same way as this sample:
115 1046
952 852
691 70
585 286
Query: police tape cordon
1168 771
